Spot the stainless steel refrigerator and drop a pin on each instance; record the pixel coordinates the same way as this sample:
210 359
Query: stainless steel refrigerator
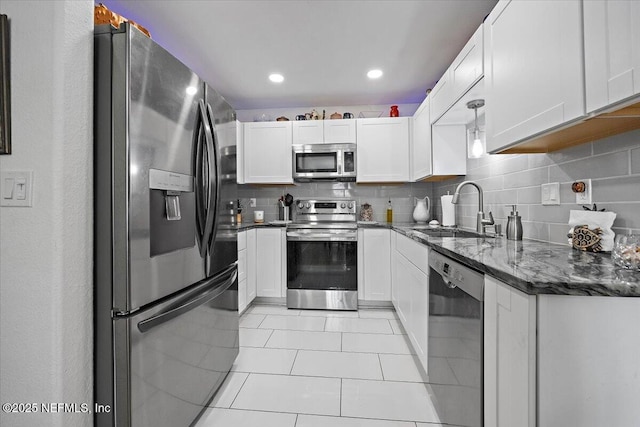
166 304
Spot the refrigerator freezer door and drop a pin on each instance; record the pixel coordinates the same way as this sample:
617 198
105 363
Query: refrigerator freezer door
223 245
179 354
154 111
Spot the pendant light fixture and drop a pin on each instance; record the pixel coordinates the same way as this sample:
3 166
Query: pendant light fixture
475 137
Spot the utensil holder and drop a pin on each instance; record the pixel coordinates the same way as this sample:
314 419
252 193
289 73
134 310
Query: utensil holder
284 213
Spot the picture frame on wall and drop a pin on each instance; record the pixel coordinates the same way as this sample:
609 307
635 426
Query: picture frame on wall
5 89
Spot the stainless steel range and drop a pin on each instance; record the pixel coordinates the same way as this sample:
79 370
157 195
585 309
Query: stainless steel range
322 256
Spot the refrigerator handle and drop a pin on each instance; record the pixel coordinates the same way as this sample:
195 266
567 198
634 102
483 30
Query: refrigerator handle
204 214
182 308
216 172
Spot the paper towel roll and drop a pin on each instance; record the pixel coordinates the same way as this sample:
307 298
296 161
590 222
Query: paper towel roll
448 210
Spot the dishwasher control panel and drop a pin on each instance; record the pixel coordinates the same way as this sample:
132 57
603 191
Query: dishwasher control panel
456 274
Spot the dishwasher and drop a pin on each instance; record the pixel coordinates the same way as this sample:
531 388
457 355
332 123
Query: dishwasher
455 361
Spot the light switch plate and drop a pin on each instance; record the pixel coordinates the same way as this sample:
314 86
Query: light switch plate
584 198
252 202
550 194
21 194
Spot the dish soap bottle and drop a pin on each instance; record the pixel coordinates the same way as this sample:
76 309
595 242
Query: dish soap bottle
389 212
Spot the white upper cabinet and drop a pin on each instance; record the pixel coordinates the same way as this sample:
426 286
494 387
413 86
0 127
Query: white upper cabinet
324 131
612 51
463 73
239 152
308 131
437 150
340 131
267 152
421 143
467 68
534 69
383 150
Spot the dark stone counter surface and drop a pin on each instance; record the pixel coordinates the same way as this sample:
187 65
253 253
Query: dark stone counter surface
530 266
249 225
536 267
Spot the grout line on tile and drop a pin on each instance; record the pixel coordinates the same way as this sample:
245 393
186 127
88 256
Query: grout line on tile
267 341
296 422
294 362
340 396
381 368
240 389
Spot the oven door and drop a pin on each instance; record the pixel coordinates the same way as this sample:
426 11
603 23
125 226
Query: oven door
322 269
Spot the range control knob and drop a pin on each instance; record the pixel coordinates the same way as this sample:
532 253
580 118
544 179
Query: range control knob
343 205
300 205
350 205
308 205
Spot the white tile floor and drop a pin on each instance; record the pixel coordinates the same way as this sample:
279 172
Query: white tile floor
302 368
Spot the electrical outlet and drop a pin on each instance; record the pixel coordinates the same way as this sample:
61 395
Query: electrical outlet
550 193
252 203
584 198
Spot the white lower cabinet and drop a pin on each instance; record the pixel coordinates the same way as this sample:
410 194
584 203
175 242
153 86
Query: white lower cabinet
588 368
246 268
509 356
411 292
251 265
270 264
374 264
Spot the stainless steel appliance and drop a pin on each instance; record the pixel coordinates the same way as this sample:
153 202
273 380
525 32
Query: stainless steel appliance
166 308
456 295
322 256
324 162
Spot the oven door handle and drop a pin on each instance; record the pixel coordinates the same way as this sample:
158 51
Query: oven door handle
321 237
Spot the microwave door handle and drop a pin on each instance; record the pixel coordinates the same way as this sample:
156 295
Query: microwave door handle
172 312
215 173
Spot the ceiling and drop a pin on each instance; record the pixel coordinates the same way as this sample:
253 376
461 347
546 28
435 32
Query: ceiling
324 48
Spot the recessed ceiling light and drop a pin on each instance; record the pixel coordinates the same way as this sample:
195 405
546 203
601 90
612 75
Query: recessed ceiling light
374 74
276 78
191 90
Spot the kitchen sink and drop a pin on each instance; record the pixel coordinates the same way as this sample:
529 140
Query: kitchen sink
446 232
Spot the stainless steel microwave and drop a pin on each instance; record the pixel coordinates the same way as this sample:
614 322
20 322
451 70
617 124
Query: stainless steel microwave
324 162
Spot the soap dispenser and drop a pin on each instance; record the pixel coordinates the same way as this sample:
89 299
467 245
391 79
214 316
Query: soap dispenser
514 225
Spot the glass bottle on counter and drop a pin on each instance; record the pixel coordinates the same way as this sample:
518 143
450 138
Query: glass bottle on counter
389 212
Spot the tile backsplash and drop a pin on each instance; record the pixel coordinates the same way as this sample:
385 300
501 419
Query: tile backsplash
377 196
612 164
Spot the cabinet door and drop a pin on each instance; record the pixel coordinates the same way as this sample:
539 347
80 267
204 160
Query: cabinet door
509 356
267 152
308 132
269 263
376 246
441 96
340 131
467 68
612 51
421 143
239 152
404 279
533 69
251 265
419 313
383 150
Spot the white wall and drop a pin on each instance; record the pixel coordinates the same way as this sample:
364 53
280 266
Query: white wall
46 251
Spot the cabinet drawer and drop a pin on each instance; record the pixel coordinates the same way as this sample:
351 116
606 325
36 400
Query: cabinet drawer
415 252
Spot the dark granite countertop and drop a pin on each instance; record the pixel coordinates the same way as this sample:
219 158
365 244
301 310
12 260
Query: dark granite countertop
536 267
249 225
530 266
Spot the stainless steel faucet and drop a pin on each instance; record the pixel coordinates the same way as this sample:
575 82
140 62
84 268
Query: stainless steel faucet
481 222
